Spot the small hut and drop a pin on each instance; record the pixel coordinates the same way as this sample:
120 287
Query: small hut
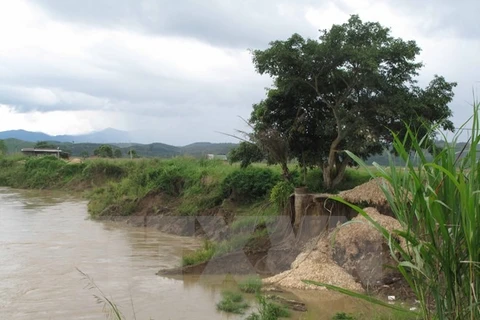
35 152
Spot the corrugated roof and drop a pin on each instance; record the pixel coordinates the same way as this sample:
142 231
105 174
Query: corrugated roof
42 150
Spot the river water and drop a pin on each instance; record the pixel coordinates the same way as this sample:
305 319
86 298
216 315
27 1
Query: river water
46 238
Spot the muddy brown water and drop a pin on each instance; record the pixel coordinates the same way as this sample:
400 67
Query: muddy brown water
46 236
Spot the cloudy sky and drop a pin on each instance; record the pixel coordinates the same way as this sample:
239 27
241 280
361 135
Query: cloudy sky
180 71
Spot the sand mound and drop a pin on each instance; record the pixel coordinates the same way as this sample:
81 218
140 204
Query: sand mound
350 256
362 251
315 264
369 192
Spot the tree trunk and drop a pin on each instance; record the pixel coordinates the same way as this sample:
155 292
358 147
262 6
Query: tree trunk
285 171
334 169
333 175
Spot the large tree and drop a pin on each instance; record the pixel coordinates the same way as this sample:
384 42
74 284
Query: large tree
348 90
246 153
104 151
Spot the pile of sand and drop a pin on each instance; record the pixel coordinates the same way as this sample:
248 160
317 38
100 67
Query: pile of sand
315 264
369 192
362 251
343 257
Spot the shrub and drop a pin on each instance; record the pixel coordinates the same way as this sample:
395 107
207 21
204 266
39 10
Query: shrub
232 302
203 254
105 168
281 193
343 316
245 185
314 180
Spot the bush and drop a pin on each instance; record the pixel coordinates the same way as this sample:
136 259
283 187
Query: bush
246 185
314 180
232 302
343 316
105 168
280 193
204 254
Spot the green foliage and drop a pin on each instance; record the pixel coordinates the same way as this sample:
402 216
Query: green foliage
268 310
3 148
132 154
104 151
314 180
232 302
280 193
348 90
436 202
117 153
45 145
204 254
104 168
251 221
251 285
246 153
12 171
84 154
343 316
249 184
196 183
42 171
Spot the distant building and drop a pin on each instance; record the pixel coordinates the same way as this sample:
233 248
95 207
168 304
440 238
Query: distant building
217 157
45 152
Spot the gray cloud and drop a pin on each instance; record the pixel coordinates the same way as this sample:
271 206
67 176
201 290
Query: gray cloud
442 16
240 24
164 95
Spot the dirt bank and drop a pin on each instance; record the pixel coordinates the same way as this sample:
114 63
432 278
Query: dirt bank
354 256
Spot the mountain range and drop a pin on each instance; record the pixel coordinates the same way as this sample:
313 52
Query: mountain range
78 145
104 136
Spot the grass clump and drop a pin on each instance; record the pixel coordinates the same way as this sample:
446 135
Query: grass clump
251 285
268 310
203 254
232 302
343 316
280 194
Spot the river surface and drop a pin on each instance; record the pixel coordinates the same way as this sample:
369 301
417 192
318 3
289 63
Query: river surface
46 239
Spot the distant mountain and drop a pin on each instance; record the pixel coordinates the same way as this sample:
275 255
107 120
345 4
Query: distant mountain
25 135
104 136
76 145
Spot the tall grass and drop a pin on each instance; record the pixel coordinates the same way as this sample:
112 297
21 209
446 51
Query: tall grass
232 302
251 285
437 202
268 310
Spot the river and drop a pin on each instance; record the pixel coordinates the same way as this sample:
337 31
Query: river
46 238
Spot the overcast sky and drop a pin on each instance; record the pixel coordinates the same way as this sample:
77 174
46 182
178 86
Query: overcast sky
180 71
